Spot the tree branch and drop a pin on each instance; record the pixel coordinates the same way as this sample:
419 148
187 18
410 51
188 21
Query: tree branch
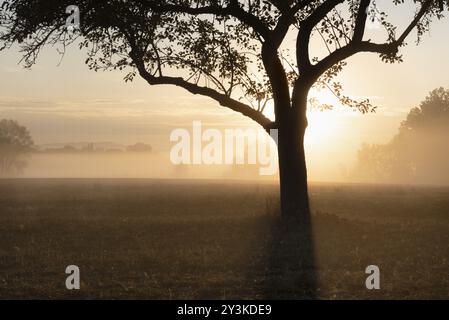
233 9
286 20
357 45
360 22
221 98
305 31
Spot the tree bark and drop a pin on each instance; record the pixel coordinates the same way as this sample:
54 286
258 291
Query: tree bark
291 123
292 162
293 175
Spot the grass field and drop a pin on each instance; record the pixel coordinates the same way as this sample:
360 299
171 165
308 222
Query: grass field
151 239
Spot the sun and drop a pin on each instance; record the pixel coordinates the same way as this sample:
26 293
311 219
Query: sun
322 127
322 124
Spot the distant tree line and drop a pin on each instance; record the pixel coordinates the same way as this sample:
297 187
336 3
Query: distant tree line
418 153
15 146
93 148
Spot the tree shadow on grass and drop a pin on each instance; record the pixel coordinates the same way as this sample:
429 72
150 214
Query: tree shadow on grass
290 271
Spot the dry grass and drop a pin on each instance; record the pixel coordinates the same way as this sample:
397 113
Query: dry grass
163 240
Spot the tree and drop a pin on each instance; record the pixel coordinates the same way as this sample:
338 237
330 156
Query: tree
374 163
418 152
15 144
422 139
227 50
432 113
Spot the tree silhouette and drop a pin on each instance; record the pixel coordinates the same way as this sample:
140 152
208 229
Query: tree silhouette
432 113
227 50
15 143
418 152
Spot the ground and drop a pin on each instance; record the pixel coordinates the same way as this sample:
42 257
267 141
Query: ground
152 239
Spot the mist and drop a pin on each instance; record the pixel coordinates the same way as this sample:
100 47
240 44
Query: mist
131 165
413 159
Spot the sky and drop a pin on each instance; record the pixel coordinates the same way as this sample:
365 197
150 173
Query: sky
65 102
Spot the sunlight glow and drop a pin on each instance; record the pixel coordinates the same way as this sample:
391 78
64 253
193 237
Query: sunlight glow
322 124
322 127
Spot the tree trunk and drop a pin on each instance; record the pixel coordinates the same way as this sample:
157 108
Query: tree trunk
293 176
292 166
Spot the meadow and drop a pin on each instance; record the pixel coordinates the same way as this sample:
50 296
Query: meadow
167 239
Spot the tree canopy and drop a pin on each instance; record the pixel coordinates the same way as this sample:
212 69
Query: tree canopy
228 50
432 113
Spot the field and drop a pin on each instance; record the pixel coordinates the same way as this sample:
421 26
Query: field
154 239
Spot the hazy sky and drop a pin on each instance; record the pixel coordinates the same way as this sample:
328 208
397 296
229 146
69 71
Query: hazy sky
69 103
